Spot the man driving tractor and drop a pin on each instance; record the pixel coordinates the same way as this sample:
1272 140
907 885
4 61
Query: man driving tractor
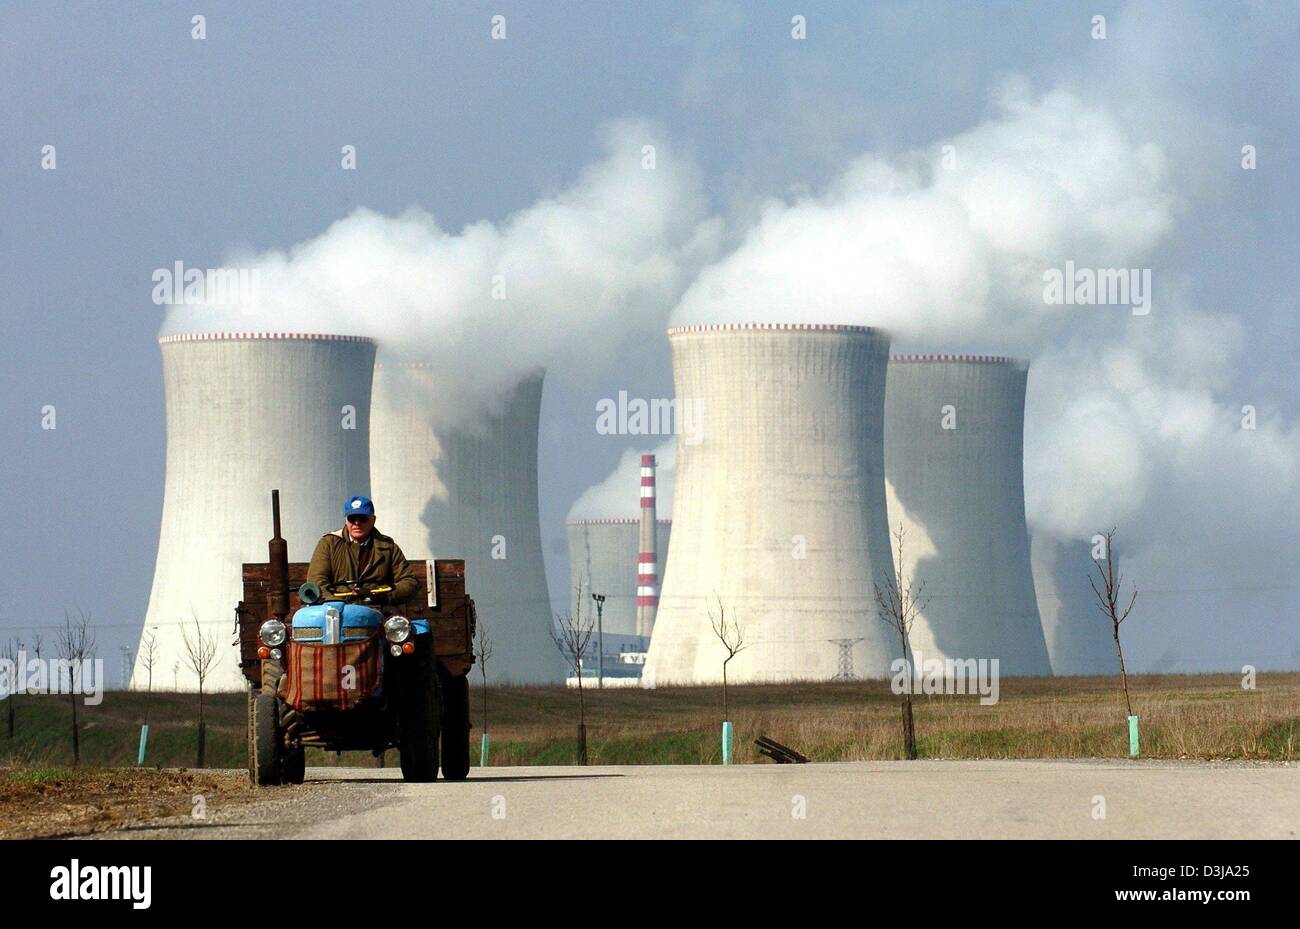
359 555
340 672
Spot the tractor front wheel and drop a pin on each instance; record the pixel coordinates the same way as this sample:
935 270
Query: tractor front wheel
266 749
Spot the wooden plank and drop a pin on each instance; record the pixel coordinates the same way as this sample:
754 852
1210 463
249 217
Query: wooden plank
452 619
450 581
779 753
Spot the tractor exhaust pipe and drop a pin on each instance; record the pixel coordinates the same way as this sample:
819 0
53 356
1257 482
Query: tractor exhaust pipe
277 593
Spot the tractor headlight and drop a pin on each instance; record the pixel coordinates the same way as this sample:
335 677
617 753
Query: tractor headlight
397 629
272 633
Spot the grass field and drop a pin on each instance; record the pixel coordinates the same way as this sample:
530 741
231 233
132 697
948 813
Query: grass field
1182 716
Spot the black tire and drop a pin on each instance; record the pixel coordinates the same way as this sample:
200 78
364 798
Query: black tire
266 741
455 727
418 731
293 768
248 736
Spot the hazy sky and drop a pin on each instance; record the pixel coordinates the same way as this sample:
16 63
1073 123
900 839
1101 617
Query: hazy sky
173 149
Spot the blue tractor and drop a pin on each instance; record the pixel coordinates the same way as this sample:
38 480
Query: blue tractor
336 671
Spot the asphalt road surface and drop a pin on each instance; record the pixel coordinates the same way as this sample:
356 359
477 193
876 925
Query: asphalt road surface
923 799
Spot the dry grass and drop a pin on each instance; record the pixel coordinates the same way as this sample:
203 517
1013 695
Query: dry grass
1192 716
59 802
1182 716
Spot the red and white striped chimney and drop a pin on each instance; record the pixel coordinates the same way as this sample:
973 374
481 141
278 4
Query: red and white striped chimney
647 569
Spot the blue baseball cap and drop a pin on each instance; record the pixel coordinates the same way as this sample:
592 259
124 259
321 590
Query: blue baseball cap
358 506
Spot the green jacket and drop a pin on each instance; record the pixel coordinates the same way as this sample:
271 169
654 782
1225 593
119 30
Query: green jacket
335 561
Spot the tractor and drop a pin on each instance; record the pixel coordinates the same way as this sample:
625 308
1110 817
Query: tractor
341 670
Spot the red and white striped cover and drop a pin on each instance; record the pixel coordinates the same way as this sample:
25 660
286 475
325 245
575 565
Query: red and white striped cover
315 674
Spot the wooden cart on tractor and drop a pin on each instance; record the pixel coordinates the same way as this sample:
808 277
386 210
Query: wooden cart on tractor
337 671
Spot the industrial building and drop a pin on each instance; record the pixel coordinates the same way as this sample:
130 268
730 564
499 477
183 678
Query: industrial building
469 489
1079 639
779 509
603 557
954 464
248 412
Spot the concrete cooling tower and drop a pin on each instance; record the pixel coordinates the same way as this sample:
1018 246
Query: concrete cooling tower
247 413
1078 637
954 462
779 504
469 491
603 557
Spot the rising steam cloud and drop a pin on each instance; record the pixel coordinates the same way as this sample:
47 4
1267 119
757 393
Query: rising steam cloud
1128 420
950 243
493 302
618 495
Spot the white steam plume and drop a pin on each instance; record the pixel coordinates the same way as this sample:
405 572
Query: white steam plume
580 271
931 251
618 496
1127 418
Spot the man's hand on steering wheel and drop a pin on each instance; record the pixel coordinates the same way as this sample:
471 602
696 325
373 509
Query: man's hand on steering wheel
370 597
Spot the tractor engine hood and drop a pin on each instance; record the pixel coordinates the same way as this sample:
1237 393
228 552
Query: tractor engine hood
335 622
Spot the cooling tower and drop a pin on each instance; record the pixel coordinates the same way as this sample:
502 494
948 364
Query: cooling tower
469 491
603 559
1078 637
778 505
246 413
954 462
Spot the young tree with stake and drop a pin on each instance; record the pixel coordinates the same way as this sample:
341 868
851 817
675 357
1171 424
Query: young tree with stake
1107 588
76 645
200 652
732 636
483 652
572 636
148 656
898 602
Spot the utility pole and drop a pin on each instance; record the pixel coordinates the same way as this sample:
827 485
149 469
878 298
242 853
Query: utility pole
600 639
845 670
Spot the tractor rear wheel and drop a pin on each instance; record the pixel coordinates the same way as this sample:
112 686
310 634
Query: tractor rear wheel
418 724
266 741
455 727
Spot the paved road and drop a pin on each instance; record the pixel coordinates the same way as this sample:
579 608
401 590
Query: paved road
925 799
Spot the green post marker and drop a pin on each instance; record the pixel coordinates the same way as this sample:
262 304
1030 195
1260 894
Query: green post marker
1133 736
144 741
483 751
726 743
